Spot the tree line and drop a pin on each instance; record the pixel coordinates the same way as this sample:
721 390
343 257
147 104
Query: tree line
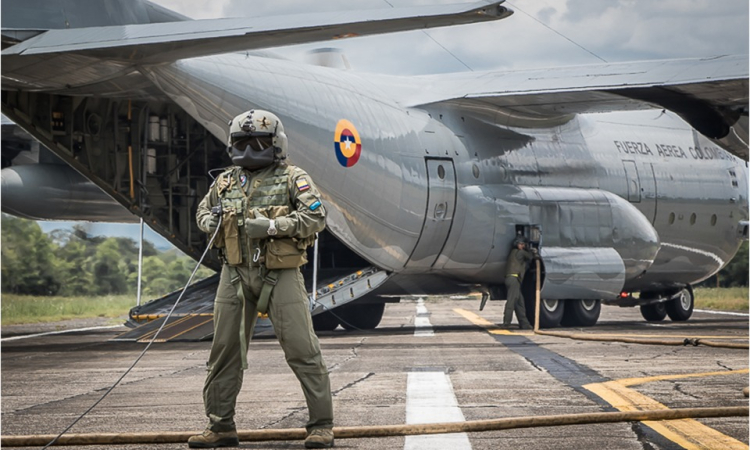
72 262
75 263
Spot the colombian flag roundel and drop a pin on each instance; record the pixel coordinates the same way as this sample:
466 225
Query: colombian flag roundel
347 143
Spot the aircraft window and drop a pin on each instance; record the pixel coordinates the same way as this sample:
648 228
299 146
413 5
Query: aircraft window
671 218
441 172
475 170
713 220
692 219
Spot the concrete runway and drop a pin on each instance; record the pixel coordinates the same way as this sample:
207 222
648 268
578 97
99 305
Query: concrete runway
428 361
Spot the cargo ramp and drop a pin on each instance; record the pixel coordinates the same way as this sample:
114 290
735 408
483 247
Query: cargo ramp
192 320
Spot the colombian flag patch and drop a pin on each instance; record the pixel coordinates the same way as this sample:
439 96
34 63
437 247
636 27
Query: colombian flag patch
302 185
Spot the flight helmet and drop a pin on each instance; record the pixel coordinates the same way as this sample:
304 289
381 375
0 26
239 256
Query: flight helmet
519 240
256 139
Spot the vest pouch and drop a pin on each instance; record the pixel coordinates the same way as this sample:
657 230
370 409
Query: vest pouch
231 234
284 254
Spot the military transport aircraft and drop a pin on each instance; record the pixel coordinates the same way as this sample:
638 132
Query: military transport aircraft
630 178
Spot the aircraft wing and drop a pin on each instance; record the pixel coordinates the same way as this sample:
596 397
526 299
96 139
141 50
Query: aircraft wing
711 94
165 42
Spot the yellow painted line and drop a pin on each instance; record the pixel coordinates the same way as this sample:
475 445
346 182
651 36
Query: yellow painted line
492 328
487 325
687 433
643 380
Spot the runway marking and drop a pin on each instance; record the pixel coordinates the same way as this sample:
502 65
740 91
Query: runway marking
48 333
644 380
487 325
492 328
688 433
422 325
430 399
728 313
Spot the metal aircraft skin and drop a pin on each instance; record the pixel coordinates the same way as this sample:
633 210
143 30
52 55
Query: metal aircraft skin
426 179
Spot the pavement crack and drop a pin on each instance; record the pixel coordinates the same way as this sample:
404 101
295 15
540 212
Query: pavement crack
723 366
96 391
357 381
287 416
678 387
352 355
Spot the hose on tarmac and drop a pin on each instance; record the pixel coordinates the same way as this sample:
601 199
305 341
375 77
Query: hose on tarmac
391 430
592 337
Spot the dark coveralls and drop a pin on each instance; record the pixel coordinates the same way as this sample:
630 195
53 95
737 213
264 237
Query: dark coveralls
515 269
240 286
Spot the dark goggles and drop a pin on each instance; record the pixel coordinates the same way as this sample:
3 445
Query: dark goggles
257 142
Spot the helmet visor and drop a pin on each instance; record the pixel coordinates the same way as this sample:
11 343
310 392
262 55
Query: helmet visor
255 143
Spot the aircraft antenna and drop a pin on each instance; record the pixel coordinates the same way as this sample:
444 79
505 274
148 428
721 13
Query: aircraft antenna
438 43
449 52
559 34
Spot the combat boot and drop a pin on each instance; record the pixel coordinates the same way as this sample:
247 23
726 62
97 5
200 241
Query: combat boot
214 439
319 438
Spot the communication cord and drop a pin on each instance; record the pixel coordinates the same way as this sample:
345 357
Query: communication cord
184 289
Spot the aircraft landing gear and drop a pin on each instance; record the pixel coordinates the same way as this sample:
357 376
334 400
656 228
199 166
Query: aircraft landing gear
655 312
365 316
581 313
325 321
680 307
550 312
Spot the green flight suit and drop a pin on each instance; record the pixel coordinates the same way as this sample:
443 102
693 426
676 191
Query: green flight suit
515 269
288 309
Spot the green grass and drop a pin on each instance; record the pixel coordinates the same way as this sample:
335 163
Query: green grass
722 299
35 309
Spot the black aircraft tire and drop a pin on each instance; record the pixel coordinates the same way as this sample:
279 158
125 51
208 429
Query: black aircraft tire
325 321
550 312
655 312
365 316
680 308
581 313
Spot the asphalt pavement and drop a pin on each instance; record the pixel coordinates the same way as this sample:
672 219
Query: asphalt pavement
434 359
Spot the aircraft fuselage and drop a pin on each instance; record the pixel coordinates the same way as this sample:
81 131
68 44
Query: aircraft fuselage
440 191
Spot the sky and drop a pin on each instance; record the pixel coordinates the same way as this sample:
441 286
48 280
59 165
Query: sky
541 33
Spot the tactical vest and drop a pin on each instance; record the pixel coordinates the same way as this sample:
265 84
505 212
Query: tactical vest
268 191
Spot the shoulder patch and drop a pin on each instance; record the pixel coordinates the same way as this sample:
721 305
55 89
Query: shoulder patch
302 184
315 205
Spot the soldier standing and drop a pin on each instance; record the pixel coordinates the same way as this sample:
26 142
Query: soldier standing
270 213
516 265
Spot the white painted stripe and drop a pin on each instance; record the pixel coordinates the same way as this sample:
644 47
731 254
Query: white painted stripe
430 399
728 313
26 336
422 325
696 251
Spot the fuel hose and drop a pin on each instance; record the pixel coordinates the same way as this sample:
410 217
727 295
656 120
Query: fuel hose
390 430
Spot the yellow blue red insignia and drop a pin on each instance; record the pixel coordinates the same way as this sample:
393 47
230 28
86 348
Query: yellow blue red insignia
302 184
347 143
